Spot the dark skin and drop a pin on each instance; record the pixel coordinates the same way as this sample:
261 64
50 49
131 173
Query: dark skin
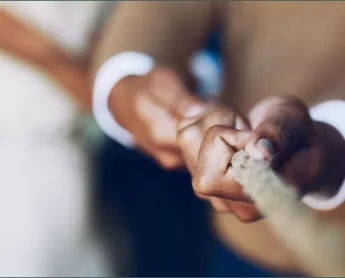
316 79
209 149
280 120
271 49
153 115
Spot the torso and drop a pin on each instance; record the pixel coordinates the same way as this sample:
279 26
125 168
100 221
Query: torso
278 48
284 48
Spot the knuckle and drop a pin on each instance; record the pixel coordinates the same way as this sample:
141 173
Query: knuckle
214 132
187 135
218 117
188 122
210 120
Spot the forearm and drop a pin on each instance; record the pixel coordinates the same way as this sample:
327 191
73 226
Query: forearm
167 31
75 80
24 42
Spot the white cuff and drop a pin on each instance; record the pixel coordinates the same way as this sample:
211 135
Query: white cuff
111 72
333 113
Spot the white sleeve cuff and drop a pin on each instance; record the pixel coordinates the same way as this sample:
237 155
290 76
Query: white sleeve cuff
111 72
332 113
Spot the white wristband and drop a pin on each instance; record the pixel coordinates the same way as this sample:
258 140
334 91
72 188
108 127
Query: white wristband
111 72
332 113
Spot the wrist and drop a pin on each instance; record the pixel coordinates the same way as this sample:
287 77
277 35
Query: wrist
109 75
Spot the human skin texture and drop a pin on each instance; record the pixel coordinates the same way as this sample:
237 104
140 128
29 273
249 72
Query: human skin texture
270 49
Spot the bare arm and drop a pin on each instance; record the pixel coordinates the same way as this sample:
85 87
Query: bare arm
29 45
167 31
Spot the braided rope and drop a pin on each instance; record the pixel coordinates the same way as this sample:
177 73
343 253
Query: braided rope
318 245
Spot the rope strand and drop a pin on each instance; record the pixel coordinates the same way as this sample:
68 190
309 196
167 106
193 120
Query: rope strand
316 243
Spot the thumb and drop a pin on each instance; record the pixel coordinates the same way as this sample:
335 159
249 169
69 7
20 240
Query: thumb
281 125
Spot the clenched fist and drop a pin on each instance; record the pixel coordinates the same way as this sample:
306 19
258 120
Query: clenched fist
280 131
149 107
211 125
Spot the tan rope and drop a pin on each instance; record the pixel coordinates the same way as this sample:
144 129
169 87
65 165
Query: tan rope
318 245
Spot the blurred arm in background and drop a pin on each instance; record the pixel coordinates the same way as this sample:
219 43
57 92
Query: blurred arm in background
28 44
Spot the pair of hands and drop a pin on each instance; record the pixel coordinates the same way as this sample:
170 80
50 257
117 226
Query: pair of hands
177 129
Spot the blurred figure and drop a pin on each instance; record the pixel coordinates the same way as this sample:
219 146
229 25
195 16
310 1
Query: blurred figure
45 177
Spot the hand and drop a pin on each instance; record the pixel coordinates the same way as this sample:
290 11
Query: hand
193 130
149 107
285 135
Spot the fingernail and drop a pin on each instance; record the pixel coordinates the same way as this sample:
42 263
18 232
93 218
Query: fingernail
262 150
266 148
254 152
193 111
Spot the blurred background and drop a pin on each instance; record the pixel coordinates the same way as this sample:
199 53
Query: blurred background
71 204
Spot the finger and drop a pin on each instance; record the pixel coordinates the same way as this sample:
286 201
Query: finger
220 205
190 134
237 139
192 130
169 90
281 126
158 123
241 123
189 139
169 158
212 176
245 212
